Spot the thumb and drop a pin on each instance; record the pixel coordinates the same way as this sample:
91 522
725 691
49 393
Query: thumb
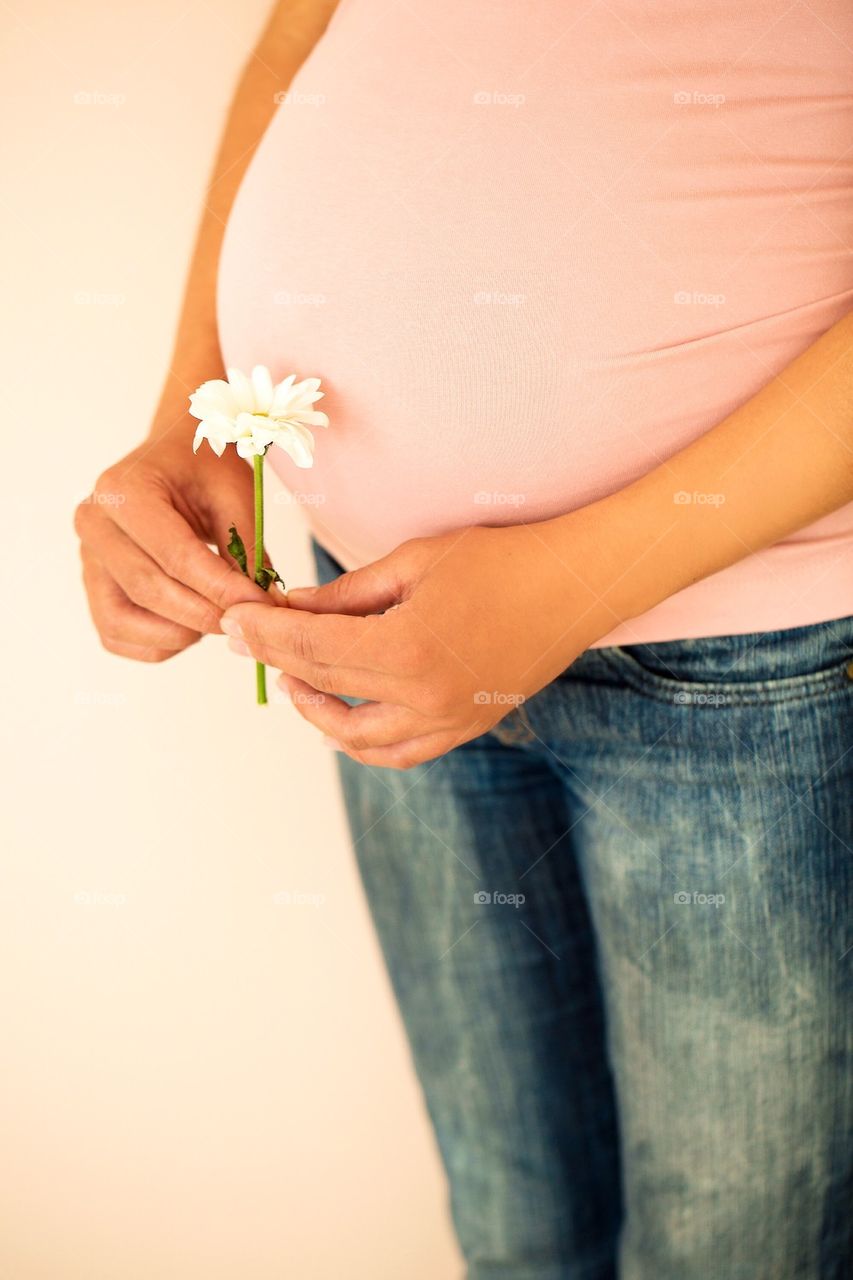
373 589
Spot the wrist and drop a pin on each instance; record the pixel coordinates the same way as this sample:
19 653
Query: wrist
609 572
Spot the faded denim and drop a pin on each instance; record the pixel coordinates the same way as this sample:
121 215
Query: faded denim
618 929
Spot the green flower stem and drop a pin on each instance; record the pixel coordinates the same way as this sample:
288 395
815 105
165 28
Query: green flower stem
258 462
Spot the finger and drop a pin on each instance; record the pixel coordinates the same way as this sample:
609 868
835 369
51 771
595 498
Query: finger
373 589
293 635
125 628
370 724
421 750
403 755
347 682
154 524
144 582
142 652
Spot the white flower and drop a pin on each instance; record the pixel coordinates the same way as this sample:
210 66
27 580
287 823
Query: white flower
253 414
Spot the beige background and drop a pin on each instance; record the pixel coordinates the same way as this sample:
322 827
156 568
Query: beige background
197 1081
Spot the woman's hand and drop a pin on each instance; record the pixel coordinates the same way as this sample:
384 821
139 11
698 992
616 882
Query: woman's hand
473 622
444 637
154 587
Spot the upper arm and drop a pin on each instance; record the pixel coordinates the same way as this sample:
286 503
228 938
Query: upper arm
293 28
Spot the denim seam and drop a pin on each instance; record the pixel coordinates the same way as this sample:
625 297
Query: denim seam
749 693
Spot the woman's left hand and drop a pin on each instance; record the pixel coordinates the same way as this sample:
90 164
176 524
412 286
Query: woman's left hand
486 617
443 637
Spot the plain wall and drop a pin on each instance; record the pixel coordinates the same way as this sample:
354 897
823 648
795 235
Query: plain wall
198 1080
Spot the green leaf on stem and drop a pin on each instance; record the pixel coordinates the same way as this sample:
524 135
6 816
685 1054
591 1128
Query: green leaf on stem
266 577
237 549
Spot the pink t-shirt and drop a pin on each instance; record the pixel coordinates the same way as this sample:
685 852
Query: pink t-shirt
533 249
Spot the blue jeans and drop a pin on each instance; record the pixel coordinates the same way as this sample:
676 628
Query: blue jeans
618 929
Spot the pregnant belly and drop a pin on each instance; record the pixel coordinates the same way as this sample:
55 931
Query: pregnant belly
520 299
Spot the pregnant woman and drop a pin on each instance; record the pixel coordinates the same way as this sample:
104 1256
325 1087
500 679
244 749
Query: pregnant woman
577 280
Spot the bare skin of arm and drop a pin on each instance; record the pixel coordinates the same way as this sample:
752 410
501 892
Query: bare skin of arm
154 585
506 610
478 609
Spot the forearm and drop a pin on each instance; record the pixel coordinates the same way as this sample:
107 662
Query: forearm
778 463
293 29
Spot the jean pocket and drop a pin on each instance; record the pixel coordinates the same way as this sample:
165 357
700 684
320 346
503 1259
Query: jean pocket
739 670
326 565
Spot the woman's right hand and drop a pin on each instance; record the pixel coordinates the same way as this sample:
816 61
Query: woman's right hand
154 586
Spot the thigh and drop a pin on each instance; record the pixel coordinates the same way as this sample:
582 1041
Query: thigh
716 837
484 927
493 967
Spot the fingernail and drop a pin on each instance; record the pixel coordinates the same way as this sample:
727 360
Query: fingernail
332 743
301 593
231 627
283 694
239 646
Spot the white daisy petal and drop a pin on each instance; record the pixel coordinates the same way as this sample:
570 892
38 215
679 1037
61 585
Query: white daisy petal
241 389
213 388
281 397
263 388
303 396
201 405
252 414
221 423
264 433
299 443
311 418
306 385
243 424
213 395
